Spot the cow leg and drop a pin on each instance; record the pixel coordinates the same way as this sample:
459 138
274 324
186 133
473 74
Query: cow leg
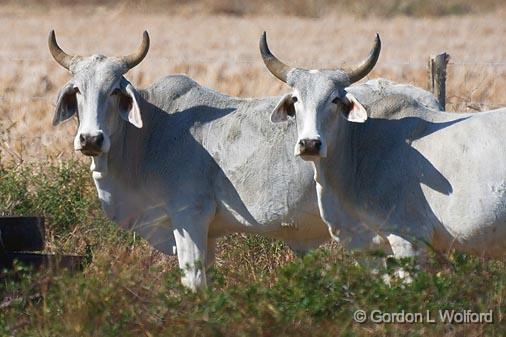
299 252
211 252
403 248
300 249
190 231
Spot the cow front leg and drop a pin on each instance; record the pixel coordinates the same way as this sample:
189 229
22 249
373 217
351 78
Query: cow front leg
190 232
402 248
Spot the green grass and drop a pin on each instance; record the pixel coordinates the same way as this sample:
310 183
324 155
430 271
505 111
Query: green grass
258 287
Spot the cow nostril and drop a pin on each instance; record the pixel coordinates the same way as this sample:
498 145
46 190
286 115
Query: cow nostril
99 140
317 144
302 142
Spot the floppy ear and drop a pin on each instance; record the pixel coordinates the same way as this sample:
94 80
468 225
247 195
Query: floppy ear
66 104
354 112
128 105
283 109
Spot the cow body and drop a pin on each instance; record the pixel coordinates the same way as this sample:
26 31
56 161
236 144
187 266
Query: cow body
387 161
199 149
427 176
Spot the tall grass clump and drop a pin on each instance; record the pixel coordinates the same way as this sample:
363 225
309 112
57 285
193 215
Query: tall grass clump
63 193
59 191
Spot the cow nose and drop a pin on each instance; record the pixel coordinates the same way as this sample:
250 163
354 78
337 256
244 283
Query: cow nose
91 145
98 140
310 147
88 140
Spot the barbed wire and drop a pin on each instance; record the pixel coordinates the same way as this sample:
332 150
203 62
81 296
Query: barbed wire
11 145
24 97
254 60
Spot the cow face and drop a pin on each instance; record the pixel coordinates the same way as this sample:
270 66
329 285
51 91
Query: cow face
99 96
318 103
318 100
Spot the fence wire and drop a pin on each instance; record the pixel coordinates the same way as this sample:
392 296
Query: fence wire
38 147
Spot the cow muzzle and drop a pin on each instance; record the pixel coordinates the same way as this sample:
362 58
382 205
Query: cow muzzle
309 148
91 145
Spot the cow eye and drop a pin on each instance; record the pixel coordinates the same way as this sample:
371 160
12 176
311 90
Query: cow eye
340 102
337 100
115 92
294 99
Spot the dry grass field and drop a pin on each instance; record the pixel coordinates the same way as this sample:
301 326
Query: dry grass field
221 52
259 288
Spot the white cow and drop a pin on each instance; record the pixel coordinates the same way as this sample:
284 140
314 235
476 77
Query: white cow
420 177
182 165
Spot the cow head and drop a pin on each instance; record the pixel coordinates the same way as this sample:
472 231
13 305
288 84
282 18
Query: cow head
318 100
98 95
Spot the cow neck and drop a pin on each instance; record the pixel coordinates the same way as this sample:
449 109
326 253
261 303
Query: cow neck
119 157
339 171
127 154
116 162
99 166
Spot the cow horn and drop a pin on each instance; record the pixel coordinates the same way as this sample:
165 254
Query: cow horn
361 70
275 66
58 54
134 59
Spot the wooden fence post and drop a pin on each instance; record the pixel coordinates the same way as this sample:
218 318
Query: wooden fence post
437 77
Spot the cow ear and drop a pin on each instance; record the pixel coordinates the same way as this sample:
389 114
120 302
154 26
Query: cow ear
128 105
66 104
354 112
283 109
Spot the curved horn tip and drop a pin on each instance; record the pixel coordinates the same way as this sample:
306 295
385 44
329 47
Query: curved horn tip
145 37
377 45
275 66
134 59
377 39
263 43
52 37
360 71
58 54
